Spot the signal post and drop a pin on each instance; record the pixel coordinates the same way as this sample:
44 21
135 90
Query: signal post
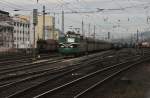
35 21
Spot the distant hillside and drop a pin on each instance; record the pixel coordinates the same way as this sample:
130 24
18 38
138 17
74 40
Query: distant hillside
146 35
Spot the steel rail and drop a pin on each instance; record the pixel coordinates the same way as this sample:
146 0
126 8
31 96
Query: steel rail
79 67
105 79
13 76
77 80
24 59
28 66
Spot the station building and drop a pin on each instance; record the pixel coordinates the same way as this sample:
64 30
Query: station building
21 32
6 31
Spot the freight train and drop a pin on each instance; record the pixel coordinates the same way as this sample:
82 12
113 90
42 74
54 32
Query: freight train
75 44
144 44
47 46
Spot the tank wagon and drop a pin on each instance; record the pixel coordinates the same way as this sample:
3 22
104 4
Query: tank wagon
75 44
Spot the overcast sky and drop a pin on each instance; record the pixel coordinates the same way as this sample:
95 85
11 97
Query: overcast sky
120 17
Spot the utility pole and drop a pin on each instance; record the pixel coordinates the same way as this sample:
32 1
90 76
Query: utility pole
94 32
43 22
53 25
108 35
89 29
35 21
83 29
142 50
131 40
17 39
137 40
62 28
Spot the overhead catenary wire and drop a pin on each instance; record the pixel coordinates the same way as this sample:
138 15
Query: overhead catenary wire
87 10
13 6
73 10
94 24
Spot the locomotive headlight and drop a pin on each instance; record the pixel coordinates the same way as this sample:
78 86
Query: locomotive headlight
71 46
62 46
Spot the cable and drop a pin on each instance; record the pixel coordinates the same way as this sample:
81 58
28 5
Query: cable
83 12
13 8
11 3
75 11
9 6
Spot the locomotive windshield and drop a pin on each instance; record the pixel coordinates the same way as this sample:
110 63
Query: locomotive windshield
70 40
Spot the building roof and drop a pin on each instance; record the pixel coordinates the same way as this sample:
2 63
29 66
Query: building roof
19 18
4 12
6 24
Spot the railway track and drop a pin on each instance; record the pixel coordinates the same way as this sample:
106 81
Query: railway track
44 78
14 56
9 75
82 85
27 69
22 59
11 55
24 93
39 75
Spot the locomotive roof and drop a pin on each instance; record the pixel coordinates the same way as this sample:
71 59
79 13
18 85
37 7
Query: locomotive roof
72 32
96 40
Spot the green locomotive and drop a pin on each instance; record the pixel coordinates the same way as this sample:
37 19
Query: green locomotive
75 44
69 43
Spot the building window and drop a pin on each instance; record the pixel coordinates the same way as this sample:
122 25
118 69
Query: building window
14 23
4 29
18 24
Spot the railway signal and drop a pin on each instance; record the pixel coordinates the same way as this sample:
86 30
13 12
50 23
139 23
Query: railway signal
35 21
